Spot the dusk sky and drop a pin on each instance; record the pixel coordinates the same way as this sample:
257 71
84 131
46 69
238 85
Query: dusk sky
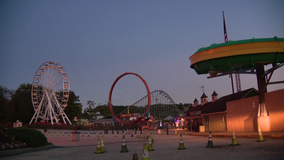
96 41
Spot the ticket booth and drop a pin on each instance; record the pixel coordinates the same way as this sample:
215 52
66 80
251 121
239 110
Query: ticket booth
17 124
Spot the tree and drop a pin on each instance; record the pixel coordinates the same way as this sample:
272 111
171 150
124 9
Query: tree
20 106
74 108
184 107
104 110
118 109
90 112
5 95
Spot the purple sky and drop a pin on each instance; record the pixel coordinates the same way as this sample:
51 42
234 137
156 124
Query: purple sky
97 41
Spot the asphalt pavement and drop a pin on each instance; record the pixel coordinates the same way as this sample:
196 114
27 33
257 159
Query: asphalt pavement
66 145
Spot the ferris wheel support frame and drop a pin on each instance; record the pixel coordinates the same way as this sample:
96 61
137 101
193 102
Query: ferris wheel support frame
37 111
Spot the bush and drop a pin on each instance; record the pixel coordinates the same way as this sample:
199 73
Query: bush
32 137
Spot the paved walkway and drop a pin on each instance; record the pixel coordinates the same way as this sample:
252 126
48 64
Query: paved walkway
64 138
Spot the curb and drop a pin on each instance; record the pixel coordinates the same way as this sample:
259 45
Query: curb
239 136
24 150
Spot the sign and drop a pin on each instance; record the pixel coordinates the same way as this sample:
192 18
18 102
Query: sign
129 115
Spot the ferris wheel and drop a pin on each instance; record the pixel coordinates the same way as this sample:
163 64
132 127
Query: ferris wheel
50 93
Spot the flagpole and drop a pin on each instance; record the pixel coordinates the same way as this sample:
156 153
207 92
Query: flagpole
226 40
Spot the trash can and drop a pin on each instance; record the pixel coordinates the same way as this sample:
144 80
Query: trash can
160 131
75 136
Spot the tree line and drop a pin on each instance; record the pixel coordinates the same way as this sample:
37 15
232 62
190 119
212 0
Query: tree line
17 105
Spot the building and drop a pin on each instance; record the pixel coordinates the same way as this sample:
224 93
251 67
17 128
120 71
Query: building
242 114
211 116
17 124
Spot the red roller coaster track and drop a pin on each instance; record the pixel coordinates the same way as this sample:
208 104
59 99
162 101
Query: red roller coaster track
110 95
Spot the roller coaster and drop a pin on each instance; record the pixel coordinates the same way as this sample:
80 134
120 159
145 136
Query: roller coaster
162 106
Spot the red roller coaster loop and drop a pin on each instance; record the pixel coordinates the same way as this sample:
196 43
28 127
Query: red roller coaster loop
110 95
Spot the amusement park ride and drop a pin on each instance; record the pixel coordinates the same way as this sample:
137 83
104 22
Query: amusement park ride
50 93
243 57
157 103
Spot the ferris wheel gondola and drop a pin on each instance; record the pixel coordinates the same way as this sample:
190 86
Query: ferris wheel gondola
50 93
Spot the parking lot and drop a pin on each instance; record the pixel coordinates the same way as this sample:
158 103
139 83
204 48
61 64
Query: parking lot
165 147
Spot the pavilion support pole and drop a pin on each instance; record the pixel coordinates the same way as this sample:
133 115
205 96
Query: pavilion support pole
263 119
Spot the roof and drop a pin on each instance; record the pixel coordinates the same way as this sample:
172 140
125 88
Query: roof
220 104
168 118
203 95
198 108
230 42
214 94
237 55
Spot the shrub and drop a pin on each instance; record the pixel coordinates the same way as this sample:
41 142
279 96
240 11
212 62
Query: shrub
31 137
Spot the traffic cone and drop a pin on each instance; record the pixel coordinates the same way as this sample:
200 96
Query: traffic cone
102 146
123 146
150 145
181 144
99 149
210 143
260 137
234 140
151 138
145 152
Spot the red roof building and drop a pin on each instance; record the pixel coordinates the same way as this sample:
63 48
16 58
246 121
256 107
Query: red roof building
211 116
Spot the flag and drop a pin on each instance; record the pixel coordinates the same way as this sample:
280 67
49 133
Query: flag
225 30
